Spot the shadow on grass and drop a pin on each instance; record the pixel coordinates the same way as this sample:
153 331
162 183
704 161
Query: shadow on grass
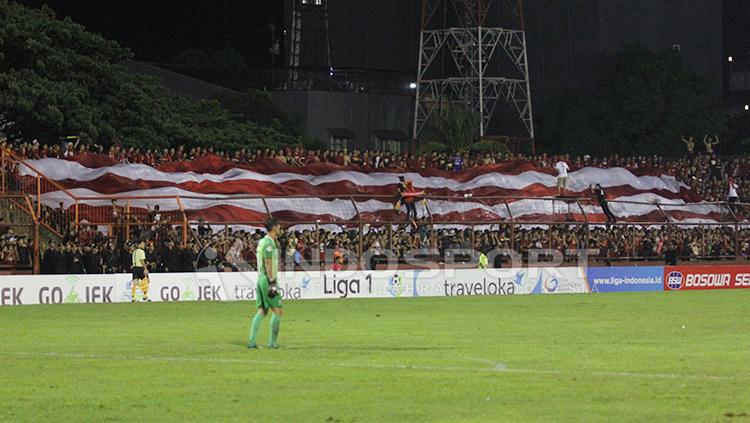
367 348
354 348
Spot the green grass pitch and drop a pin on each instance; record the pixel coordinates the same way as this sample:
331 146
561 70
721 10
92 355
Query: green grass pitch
603 357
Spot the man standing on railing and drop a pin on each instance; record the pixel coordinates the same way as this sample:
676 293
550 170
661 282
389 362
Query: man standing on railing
601 197
732 197
562 176
400 189
410 197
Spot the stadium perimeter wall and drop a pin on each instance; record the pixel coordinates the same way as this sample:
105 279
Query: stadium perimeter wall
236 286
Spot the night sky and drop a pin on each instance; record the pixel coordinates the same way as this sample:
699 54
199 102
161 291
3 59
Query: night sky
159 29
737 28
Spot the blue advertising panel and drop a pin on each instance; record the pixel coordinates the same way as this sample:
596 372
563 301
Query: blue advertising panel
626 279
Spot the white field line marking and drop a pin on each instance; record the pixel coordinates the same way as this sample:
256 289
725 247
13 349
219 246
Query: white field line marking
497 367
500 367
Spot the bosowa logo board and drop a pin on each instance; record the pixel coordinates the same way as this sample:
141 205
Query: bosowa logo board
684 278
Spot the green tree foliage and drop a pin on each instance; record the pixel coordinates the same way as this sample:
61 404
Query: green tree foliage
58 79
491 146
432 147
228 58
256 106
642 106
569 126
193 58
457 127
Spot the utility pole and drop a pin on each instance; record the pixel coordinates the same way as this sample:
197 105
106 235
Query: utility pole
466 56
309 41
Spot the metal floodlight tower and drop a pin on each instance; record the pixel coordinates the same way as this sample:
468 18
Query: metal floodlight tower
309 40
466 56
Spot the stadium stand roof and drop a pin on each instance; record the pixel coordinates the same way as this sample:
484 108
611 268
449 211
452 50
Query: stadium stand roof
177 82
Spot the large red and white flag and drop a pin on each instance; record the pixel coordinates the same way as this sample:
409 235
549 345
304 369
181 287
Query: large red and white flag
220 190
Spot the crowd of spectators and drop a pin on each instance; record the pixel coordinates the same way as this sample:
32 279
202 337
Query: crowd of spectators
15 249
704 171
91 251
234 250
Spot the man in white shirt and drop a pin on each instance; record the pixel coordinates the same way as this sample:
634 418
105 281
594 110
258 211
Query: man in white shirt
562 176
732 197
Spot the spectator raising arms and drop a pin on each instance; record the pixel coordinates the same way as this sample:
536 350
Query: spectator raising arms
690 145
707 141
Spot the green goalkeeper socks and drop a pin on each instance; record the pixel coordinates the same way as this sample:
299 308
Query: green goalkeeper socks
275 322
255 327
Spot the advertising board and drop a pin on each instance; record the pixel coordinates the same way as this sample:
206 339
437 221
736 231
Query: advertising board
233 286
690 278
626 279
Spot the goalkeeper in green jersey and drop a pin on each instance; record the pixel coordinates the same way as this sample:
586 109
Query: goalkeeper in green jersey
267 294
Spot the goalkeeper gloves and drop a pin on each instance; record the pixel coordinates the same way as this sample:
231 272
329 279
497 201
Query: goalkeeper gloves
272 289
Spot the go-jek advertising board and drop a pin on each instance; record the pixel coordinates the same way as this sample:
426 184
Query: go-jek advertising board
102 289
213 286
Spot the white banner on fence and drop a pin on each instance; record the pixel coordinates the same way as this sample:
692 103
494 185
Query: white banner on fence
213 286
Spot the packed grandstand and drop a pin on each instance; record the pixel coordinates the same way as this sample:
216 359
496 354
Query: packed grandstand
203 209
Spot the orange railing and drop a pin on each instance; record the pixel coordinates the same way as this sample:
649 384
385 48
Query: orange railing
72 212
19 229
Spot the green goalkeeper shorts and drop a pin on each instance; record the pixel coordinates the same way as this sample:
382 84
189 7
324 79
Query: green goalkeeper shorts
261 299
